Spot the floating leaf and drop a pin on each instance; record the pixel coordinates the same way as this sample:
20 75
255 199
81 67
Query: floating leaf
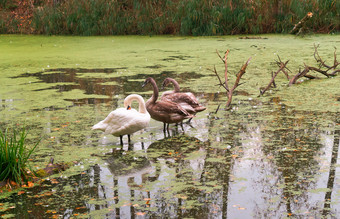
54 181
140 213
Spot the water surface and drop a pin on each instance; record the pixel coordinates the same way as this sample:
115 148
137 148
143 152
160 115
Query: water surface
273 156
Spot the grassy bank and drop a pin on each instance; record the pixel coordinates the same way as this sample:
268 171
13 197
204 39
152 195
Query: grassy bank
190 17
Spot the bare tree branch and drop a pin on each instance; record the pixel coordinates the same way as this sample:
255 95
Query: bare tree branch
236 84
226 83
336 63
274 85
282 66
319 70
298 75
334 72
279 64
318 58
219 56
322 63
240 73
219 79
226 69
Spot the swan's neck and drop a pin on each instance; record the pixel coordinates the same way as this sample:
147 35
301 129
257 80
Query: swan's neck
142 107
155 94
176 85
128 100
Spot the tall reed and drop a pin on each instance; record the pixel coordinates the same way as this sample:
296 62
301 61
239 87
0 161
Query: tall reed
189 17
14 155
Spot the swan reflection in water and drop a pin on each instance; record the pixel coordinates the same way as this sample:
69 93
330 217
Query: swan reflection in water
135 181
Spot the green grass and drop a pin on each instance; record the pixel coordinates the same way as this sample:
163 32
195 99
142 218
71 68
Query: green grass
14 155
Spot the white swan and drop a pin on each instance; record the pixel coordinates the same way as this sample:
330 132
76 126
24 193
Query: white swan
125 121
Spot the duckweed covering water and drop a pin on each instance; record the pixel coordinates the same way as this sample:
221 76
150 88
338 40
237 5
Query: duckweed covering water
268 157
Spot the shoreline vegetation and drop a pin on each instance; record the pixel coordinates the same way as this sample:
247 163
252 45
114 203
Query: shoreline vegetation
14 157
15 154
158 17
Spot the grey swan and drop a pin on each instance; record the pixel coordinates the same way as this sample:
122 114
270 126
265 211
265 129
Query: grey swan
125 121
164 111
186 100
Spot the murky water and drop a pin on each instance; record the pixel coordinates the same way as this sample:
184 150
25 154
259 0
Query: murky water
269 157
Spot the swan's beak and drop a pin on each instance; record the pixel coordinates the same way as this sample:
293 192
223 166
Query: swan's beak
128 108
145 82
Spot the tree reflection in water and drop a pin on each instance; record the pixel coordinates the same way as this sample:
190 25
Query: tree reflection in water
253 166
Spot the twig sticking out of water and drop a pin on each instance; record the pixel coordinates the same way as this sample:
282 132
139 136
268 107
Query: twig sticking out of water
298 28
272 81
225 84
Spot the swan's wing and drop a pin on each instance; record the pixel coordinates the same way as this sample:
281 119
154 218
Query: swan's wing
167 107
181 100
188 98
112 122
136 122
126 122
192 97
187 107
165 96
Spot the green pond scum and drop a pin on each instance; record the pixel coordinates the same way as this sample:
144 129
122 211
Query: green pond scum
269 156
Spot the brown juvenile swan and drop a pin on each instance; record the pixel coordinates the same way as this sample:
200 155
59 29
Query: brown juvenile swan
186 100
164 111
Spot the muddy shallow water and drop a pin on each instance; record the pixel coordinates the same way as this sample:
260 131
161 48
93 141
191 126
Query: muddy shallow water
273 156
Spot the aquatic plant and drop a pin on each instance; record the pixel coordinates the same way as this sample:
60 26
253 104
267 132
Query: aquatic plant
14 155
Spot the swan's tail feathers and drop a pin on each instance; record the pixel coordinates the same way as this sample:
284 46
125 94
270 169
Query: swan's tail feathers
200 108
190 116
99 126
184 111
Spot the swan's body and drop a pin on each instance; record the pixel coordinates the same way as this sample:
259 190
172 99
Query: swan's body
164 111
186 100
125 121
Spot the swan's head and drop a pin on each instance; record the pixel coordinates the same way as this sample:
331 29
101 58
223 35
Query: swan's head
166 82
148 80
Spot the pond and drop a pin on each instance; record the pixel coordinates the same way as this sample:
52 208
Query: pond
270 156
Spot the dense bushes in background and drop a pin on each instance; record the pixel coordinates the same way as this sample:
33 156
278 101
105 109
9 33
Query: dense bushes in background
187 17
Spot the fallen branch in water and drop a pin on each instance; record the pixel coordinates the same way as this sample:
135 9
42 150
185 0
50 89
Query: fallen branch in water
323 69
225 84
315 69
323 64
